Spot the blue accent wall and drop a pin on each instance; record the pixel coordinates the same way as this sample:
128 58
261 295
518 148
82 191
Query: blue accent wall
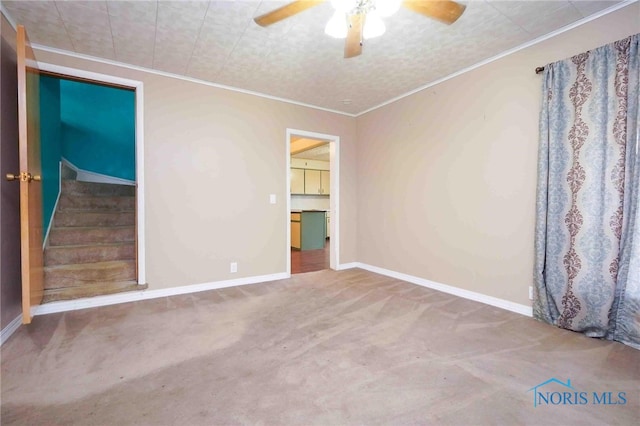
90 125
50 144
98 128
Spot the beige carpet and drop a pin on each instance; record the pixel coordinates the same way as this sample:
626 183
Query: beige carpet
325 348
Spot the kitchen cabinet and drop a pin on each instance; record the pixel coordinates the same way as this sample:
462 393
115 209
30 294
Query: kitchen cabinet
316 182
297 181
296 235
325 182
312 181
308 229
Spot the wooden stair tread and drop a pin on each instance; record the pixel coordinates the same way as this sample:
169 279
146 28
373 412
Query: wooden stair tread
102 284
78 235
96 210
80 274
82 266
90 290
91 248
94 189
68 218
101 245
62 255
89 228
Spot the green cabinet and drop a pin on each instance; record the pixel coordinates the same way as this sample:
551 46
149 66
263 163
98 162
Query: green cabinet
308 230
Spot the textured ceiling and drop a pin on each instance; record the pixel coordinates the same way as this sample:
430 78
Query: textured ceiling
218 41
318 153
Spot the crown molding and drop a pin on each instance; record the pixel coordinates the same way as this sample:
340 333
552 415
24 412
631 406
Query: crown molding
505 53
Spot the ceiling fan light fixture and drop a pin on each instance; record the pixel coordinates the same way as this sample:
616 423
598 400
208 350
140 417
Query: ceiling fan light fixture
356 20
373 26
387 8
337 26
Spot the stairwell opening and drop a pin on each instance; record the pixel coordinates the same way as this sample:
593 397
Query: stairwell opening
91 245
91 185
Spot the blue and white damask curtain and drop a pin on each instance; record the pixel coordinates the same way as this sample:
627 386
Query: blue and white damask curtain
587 242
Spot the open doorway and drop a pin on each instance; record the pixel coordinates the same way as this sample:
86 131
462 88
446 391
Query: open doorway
94 182
313 190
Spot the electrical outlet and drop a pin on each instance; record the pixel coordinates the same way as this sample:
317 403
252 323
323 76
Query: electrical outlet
530 293
234 267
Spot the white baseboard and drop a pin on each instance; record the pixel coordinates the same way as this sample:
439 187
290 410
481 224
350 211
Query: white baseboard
10 329
87 176
134 296
350 265
456 291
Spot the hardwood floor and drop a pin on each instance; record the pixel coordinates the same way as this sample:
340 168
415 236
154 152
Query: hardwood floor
310 260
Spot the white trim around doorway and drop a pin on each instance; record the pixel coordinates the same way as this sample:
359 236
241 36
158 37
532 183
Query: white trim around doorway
334 197
138 87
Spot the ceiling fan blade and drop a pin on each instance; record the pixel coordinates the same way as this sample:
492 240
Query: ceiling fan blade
353 43
286 11
443 10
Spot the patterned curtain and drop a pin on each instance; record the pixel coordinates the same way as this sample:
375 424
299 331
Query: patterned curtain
587 242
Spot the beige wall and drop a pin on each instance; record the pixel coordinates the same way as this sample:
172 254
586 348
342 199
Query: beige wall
212 157
447 177
440 185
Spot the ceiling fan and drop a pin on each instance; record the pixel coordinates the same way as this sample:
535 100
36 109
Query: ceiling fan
356 20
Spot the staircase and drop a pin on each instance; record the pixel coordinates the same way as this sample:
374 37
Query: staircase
91 247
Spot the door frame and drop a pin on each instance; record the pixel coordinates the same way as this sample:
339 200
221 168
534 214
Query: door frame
138 88
334 196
